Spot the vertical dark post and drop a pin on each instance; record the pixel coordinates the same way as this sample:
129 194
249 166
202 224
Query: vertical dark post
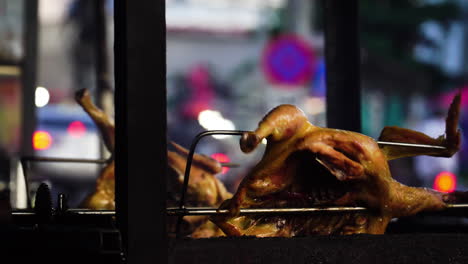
102 69
140 117
342 64
28 76
100 51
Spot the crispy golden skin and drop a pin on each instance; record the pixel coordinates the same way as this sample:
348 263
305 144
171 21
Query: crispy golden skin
103 197
309 166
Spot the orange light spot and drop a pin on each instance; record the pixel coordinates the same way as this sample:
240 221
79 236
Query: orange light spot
76 129
445 182
41 140
220 157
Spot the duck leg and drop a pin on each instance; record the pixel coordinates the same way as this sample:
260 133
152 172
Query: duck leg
451 139
104 123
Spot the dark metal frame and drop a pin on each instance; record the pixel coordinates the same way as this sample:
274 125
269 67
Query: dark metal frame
343 64
140 119
29 75
100 50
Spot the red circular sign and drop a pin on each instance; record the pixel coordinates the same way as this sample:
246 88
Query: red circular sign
288 60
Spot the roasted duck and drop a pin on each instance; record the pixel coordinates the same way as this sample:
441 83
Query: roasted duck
204 189
103 197
310 166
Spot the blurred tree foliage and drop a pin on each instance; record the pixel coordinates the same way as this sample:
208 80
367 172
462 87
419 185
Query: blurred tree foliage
390 30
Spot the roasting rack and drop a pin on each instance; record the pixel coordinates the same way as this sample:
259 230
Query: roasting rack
182 210
46 213
25 162
57 233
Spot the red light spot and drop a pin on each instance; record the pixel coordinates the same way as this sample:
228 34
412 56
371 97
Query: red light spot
76 129
41 140
221 158
445 182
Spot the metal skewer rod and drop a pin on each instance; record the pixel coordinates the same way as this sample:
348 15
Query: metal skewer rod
68 211
464 206
175 211
412 145
268 211
74 160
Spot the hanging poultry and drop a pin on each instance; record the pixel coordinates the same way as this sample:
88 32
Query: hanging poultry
310 166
